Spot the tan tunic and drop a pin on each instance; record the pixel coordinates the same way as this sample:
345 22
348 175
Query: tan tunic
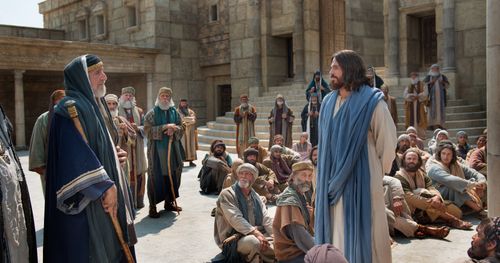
382 139
190 140
285 248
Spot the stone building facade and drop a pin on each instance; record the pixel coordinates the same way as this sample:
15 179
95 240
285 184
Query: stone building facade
451 33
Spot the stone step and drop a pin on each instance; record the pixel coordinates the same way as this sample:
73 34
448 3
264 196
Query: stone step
456 116
232 134
454 109
231 141
271 98
472 132
454 124
258 128
450 103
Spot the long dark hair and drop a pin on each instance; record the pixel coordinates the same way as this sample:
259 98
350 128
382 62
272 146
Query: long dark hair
353 69
446 144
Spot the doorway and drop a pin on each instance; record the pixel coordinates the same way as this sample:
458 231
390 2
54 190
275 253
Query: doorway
428 40
224 99
289 57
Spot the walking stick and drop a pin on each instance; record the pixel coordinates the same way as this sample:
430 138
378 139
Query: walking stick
73 113
170 139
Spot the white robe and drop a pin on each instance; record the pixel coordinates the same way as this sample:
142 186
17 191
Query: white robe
382 140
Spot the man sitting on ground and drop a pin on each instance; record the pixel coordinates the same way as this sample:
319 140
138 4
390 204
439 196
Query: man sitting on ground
215 169
293 225
303 147
278 139
254 142
462 185
478 160
425 202
242 223
281 165
266 180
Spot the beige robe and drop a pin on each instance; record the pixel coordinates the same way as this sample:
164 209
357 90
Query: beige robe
382 139
190 140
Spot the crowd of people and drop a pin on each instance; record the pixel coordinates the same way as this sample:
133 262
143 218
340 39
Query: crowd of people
340 194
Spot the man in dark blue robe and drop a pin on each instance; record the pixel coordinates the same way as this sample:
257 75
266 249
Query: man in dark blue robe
17 231
85 182
164 129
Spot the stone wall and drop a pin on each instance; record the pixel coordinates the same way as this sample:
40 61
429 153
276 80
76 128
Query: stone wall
365 29
213 35
470 39
30 32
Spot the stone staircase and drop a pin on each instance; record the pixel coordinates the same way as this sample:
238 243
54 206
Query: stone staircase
459 116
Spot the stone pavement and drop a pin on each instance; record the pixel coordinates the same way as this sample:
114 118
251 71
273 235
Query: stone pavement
189 236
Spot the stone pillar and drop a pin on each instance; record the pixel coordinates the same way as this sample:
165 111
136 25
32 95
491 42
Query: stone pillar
493 103
298 42
311 14
449 36
391 22
20 125
150 98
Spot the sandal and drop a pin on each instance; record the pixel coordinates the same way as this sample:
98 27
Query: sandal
437 232
460 224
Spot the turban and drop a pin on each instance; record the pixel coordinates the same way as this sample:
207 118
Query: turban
278 136
219 144
411 129
243 96
462 133
93 62
250 151
304 165
323 254
111 97
435 66
248 168
403 137
276 148
443 132
165 90
130 90
253 140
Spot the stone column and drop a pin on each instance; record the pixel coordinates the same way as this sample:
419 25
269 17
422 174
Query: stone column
448 36
392 38
493 103
298 42
149 90
20 125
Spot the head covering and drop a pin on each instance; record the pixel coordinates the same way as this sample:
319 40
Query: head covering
411 129
434 66
279 96
278 136
165 90
412 134
403 137
462 133
443 132
253 140
317 73
436 131
248 167
276 148
324 254
130 90
93 62
250 151
57 95
304 165
111 97
243 96
219 144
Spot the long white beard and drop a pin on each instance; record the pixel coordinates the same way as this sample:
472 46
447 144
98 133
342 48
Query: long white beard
414 81
100 92
127 104
434 74
114 113
164 106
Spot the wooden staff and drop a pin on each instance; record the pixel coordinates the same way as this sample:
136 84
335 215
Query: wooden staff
73 113
170 139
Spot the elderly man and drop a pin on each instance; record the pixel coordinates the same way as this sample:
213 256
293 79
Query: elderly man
317 86
128 109
215 169
391 103
436 84
243 227
281 121
416 97
279 140
310 115
373 79
485 245
18 239
462 185
266 182
404 143
303 146
254 142
424 201
399 215
244 117
40 136
190 138
164 129
281 165
85 183
293 225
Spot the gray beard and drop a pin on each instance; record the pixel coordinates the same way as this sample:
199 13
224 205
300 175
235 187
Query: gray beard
114 113
414 81
100 92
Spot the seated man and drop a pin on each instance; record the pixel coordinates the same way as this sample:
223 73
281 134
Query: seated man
215 169
485 245
281 165
441 136
279 140
242 223
266 180
415 142
462 185
232 177
463 146
425 202
404 143
253 142
399 215
324 253
293 225
481 141
303 147
477 160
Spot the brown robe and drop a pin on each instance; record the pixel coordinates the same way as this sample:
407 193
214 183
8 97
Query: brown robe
245 127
